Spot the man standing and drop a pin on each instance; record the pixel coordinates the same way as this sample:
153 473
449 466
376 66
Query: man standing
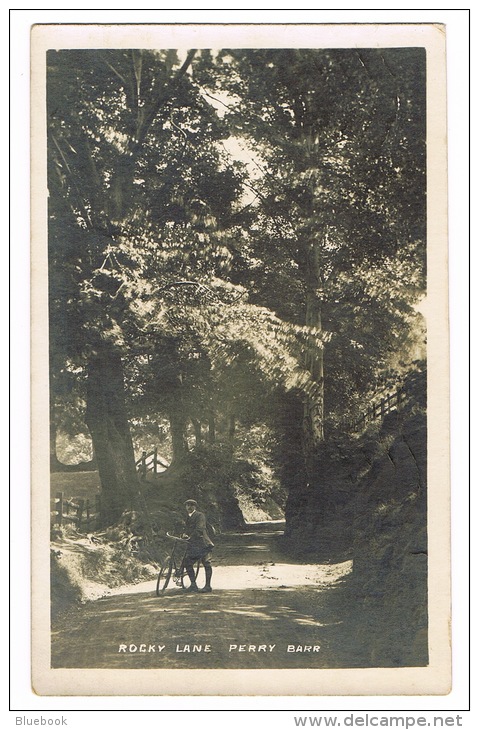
199 546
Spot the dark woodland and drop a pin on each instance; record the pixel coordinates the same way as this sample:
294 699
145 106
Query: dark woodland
237 264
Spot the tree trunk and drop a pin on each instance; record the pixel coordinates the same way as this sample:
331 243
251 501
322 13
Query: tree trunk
211 428
197 430
107 421
179 442
55 464
313 415
231 426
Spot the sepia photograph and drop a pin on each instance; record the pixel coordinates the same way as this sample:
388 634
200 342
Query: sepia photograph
240 396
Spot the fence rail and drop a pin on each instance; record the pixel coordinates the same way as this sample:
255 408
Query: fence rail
413 388
391 402
82 513
149 462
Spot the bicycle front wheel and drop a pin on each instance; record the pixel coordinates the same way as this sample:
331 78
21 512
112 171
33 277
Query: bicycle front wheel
164 577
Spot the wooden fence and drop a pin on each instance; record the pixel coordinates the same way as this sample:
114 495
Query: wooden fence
378 409
413 388
84 514
81 513
149 462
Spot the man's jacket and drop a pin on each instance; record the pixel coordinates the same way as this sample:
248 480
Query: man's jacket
195 528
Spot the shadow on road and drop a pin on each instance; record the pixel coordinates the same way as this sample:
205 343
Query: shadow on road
123 631
266 611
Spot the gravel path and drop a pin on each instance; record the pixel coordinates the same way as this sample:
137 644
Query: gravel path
264 612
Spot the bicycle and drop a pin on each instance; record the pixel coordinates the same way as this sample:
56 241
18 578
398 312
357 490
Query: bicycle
174 567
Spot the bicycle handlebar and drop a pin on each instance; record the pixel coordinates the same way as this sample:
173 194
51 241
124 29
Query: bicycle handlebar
174 537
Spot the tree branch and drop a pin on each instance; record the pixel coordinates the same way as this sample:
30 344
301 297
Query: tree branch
117 73
72 177
160 101
209 292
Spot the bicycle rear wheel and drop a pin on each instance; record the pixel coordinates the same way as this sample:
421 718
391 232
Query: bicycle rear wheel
164 577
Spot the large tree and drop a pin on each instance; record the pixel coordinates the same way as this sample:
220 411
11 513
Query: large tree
159 262
339 136
135 187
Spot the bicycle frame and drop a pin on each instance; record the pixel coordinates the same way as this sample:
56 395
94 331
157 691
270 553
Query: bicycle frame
175 568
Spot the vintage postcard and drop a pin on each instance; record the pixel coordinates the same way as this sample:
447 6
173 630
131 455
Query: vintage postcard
240 360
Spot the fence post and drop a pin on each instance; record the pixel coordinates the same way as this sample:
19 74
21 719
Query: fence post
59 508
98 509
80 504
155 460
143 464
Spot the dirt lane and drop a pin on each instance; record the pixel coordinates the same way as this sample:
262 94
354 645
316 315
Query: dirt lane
259 608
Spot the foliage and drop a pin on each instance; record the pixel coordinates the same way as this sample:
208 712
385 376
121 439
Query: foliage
73 450
223 285
83 569
340 139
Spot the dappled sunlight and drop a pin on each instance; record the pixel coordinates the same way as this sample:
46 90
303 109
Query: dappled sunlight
263 612
246 616
307 622
116 611
228 605
256 533
251 614
274 576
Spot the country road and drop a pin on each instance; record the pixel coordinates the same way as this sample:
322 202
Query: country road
265 611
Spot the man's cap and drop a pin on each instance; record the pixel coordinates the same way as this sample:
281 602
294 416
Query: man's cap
192 501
